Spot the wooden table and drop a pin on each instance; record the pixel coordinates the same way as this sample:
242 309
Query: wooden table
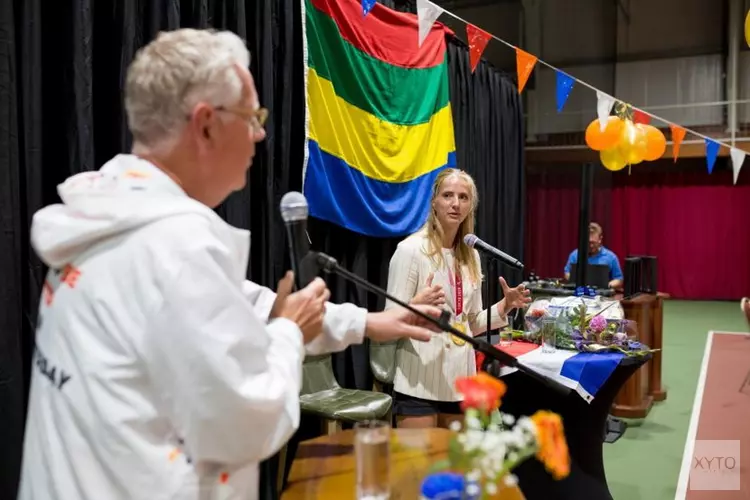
324 467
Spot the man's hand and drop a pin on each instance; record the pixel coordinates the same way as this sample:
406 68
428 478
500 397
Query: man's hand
305 307
745 306
615 284
398 323
432 295
513 298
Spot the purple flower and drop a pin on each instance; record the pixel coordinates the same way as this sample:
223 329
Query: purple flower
576 335
579 345
598 324
621 337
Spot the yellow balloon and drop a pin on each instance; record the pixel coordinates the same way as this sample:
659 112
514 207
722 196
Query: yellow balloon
612 160
633 144
747 28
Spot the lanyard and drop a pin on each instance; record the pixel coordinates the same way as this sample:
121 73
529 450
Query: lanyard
459 291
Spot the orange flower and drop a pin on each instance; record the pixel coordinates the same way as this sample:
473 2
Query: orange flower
553 448
481 392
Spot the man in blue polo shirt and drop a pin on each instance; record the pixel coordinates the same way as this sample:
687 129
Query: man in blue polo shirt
598 254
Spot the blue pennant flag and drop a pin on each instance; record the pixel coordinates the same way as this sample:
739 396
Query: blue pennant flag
564 86
712 149
367 6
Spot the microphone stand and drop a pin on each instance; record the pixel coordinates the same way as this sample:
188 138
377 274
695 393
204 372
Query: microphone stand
329 265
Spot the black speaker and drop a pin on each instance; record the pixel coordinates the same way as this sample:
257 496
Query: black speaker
633 275
649 274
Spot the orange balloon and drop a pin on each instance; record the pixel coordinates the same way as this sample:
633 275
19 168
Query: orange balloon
656 143
632 145
598 140
612 160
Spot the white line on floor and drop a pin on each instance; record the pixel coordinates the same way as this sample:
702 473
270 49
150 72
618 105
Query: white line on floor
687 456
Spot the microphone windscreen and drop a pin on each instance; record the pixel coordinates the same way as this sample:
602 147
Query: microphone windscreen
293 207
470 239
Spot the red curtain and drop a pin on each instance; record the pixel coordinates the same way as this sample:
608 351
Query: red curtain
696 224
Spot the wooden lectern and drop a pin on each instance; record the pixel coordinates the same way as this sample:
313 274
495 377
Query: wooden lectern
644 387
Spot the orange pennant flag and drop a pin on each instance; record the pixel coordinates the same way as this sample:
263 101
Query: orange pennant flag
524 65
478 40
678 134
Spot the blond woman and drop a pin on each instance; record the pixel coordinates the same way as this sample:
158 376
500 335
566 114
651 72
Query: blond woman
435 266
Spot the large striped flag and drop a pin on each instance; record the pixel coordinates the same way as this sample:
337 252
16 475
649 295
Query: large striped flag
379 122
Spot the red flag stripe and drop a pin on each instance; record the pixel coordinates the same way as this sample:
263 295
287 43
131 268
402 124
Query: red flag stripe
387 35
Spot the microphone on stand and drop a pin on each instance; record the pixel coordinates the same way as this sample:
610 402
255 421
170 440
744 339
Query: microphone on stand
294 212
474 242
329 265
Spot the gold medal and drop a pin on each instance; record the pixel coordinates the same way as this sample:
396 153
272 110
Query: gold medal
461 328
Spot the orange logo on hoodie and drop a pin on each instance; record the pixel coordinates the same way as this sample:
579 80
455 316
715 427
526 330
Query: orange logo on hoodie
135 174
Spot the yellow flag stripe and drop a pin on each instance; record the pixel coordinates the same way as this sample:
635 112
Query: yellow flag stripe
379 149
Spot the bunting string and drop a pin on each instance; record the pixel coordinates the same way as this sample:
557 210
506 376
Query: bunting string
428 12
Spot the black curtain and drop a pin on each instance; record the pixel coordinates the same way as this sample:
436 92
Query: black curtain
62 71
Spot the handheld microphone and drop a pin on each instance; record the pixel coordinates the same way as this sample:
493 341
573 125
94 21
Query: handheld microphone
474 242
294 212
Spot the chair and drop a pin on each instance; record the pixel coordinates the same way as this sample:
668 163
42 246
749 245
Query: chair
383 363
322 396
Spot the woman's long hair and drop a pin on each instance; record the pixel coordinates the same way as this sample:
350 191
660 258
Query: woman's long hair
464 255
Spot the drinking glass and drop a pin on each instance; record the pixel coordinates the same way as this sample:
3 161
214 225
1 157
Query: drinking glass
549 335
372 451
506 336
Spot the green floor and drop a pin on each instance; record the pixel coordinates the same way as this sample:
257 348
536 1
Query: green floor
645 463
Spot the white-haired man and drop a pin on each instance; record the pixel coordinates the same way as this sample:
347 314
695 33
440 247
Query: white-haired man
159 372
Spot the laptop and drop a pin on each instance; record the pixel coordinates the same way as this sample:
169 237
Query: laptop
597 275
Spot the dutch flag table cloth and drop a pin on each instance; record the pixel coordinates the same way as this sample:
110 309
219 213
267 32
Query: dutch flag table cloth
583 372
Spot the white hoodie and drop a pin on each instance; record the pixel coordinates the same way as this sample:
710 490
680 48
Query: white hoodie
156 374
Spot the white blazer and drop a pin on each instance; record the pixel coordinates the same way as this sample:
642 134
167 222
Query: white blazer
156 373
429 370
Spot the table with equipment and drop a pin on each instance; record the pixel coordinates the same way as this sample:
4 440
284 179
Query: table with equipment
645 308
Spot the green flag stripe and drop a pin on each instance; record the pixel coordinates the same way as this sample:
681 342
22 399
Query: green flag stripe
392 93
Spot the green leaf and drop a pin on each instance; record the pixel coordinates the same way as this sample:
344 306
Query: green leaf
440 465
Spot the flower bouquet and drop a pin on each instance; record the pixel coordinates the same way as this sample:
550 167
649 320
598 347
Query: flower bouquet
595 333
489 445
578 329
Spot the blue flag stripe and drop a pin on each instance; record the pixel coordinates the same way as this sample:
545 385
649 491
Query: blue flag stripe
591 370
371 207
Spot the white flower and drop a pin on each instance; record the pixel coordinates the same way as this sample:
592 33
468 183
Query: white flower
455 426
472 489
474 476
508 419
491 488
510 480
473 423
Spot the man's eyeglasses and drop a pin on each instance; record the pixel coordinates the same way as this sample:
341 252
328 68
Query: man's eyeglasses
256 118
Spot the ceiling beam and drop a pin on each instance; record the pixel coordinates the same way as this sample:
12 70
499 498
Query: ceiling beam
454 5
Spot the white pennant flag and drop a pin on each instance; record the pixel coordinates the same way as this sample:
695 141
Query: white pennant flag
427 13
738 157
604 104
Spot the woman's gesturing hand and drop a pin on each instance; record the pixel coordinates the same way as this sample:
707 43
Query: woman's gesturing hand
431 295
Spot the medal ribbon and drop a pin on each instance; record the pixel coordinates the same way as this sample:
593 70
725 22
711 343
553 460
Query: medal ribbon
459 303
459 292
